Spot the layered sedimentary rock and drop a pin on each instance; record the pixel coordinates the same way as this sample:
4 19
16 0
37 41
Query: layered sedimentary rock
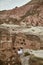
31 13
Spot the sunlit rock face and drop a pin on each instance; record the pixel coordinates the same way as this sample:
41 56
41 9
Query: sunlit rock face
27 42
19 40
36 58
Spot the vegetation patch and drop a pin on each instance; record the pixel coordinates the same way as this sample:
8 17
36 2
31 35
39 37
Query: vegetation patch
26 54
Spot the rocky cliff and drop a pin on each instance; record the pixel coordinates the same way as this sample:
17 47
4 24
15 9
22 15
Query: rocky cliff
31 13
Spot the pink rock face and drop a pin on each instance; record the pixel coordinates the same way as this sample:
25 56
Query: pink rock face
31 12
37 18
27 42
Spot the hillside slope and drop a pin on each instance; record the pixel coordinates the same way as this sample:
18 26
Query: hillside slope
31 13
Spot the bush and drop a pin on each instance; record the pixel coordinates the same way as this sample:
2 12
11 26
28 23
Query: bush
26 53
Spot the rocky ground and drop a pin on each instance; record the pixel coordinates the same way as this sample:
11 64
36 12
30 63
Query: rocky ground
11 28
25 59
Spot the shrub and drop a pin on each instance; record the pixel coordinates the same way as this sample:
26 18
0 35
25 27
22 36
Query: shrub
26 53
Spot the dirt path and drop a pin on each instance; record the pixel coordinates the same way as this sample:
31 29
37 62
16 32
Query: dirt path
24 60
